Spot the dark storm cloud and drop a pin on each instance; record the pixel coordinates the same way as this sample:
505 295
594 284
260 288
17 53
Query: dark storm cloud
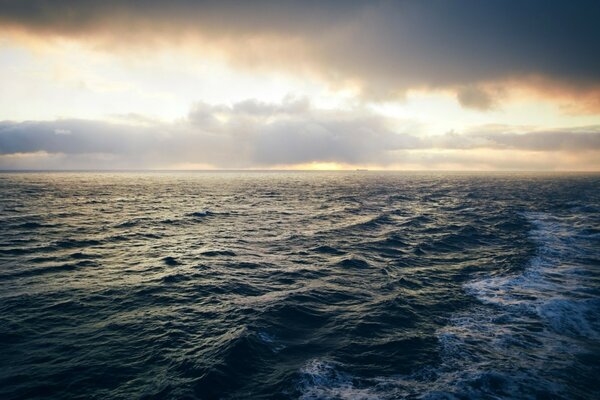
384 46
256 134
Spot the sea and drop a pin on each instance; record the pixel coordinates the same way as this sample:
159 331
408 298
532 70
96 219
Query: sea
299 285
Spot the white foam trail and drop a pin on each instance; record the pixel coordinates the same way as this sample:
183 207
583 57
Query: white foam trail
536 321
553 286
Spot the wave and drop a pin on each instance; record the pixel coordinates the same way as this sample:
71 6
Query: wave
321 379
32 225
171 261
200 214
131 223
218 253
50 269
553 286
324 249
74 243
237 356
353 263
500 348
527 320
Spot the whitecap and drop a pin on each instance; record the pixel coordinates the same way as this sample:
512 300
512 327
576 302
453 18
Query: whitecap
321 379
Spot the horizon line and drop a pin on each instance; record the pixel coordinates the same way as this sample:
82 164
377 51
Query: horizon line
359 170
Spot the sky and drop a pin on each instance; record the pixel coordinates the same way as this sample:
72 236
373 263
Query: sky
394 85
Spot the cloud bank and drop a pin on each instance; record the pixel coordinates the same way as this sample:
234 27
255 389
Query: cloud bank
383 48
253 134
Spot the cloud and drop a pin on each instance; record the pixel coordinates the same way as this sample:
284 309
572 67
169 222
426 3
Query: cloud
246 134
383 48
497 160
254 134
476 97
62 132
500 137
573 140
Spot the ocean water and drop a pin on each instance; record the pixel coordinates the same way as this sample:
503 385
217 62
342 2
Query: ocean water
354 285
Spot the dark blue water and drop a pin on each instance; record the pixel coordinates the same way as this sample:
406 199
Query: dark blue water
299 286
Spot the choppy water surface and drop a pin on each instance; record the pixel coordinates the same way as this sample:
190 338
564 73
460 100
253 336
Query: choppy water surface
299 285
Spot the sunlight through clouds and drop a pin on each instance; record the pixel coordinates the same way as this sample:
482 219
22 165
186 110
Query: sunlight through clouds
136 71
